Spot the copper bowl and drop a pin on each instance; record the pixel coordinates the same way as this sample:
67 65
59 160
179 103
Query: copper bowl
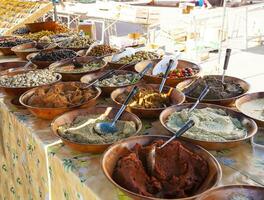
76 76
14 66
106 90
40 26
176 98
247 98
23 50
172 82
40 63
249 124
51 113
117 150
228 192
6 51
224 102
17 91
91 148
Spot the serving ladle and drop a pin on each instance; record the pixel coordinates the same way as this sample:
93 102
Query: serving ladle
227 56
110 127
190 123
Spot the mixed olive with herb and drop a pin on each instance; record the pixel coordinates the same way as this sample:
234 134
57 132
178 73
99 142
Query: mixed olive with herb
119 80
85 68
54 55
77 42
101 50
29 79
138 56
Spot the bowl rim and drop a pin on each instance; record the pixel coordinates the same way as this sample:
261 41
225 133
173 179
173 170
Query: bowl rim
14 49
149 109
58 77
224 99
222 187
59 64
180 78
109 177
253 96
253 143
21 98
188 105
116 73
86 109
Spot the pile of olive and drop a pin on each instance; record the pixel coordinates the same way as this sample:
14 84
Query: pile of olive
138 56
54 55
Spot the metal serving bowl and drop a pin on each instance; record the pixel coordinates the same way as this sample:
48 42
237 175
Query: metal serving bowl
172 82
247 98
176 98
249 124
17 91
117 150
69 117
183 86
41 63
15 66
106 89
228 192
23 50
51 113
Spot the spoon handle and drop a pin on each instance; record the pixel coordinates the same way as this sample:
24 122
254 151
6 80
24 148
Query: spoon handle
200 98
164 78
123 107
227 56
186 127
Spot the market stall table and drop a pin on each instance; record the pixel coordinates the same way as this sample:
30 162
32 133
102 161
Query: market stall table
35 164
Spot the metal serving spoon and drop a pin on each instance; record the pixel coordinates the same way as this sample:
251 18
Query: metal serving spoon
110 127
164 78
152 153
142 73
227 56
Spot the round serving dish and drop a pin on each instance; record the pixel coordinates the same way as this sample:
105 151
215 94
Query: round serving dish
229 192
23 50
41 26
106 90
76 76
91 148
248 123
183 86
117 150
51 113
6 51
176 98
17 91
15 66
172 82
40 63
246 98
